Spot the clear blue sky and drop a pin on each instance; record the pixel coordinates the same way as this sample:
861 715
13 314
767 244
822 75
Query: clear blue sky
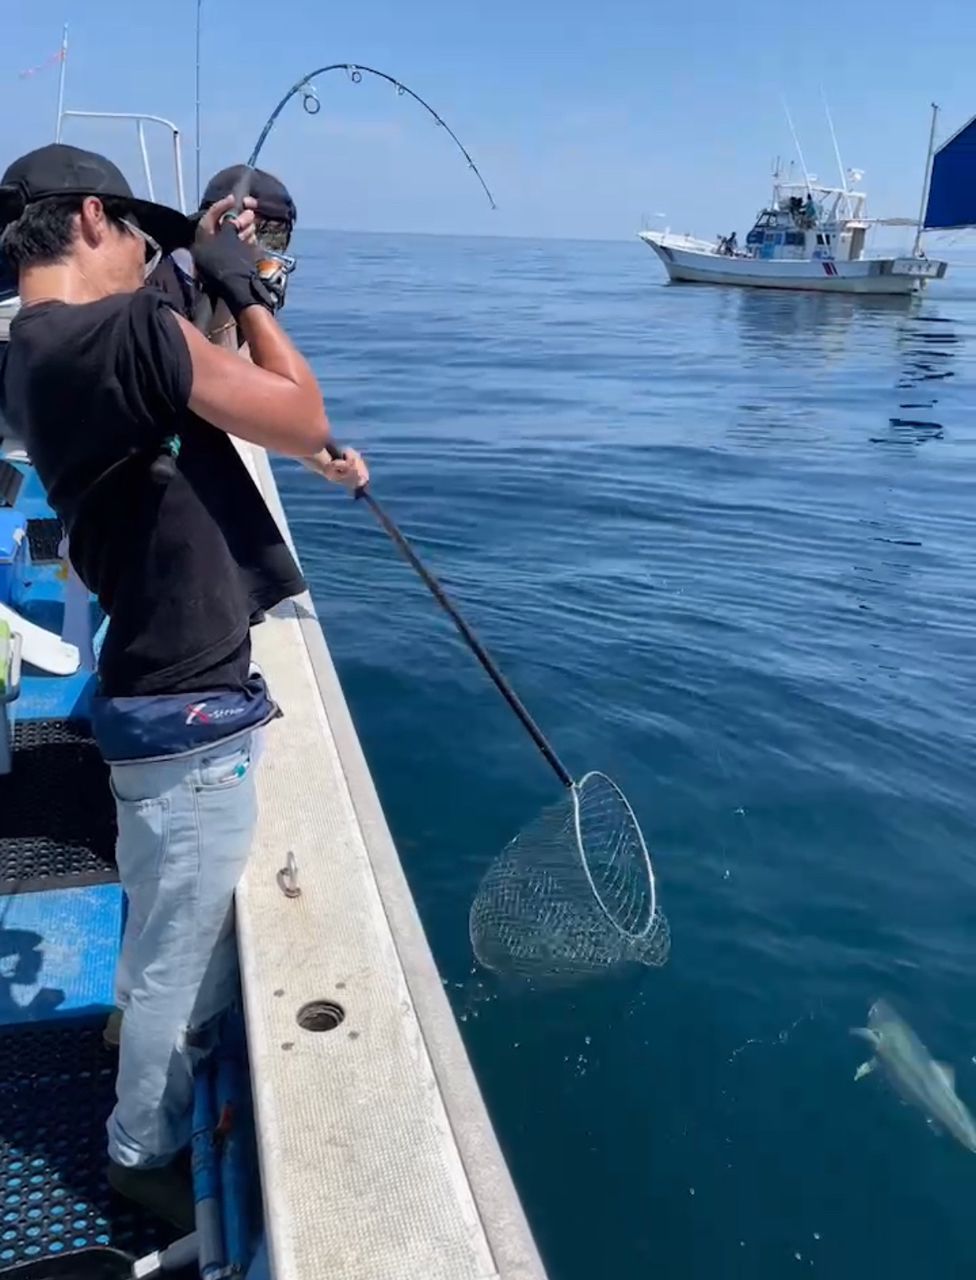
583 115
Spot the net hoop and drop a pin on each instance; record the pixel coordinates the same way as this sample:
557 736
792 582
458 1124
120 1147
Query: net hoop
652 912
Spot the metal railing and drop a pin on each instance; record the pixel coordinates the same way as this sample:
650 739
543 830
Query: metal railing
141 121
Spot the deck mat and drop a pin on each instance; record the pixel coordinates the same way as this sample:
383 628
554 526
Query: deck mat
11 482
58 1089
57 816
44 537
58 952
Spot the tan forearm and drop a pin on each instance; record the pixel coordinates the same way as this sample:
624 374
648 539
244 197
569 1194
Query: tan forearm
273 350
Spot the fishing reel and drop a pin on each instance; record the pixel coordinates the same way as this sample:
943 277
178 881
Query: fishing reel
274 268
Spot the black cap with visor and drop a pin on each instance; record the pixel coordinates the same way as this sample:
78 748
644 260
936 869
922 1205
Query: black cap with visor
271 197
61 170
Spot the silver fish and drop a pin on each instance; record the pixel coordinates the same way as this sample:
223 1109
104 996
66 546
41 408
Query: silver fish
914 1073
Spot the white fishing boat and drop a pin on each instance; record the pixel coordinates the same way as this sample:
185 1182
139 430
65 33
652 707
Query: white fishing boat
812 236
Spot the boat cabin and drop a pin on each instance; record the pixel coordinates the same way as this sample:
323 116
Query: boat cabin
808 224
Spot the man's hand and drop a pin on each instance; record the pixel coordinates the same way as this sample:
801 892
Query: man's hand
350 470
228 268
244 221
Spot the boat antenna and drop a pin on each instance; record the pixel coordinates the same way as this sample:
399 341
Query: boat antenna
926 181
199 12
62 71
355 72
833 138
796 143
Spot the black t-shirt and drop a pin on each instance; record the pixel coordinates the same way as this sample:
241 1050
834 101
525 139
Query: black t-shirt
181 564
176 285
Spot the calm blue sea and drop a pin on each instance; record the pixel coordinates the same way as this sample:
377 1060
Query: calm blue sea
724 545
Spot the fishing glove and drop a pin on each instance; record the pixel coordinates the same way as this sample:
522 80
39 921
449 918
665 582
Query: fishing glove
229 269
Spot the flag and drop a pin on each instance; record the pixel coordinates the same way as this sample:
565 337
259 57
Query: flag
29 72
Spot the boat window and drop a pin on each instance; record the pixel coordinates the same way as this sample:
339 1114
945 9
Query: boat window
795 238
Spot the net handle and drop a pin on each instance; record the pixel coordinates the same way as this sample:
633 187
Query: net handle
467 635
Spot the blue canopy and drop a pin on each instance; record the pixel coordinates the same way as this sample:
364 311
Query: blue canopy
952 189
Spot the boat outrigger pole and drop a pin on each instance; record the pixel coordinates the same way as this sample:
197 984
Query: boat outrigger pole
197 103
926 181
799 150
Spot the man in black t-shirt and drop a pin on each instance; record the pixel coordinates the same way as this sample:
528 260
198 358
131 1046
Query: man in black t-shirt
127 412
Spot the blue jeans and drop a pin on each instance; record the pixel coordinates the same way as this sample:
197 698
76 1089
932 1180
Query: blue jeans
185 831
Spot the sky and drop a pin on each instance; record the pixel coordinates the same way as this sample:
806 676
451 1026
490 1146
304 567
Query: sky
587 118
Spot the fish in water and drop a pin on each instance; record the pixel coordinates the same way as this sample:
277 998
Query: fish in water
914 1073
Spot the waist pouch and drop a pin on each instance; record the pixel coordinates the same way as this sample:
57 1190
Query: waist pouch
158 726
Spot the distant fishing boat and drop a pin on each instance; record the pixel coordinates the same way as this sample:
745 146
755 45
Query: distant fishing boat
812 236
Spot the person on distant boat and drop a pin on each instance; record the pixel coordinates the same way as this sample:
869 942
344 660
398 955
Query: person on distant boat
127 411
810 210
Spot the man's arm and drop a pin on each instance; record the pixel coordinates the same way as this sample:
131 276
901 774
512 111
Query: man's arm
272 400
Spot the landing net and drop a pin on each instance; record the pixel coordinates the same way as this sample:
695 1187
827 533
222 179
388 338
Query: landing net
573 895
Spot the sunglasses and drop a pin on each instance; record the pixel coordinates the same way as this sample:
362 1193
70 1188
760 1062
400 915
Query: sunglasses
153 250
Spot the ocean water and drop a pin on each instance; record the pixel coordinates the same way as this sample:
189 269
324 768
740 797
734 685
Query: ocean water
723 543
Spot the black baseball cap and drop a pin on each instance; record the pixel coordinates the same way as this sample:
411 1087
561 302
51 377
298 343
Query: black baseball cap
60 170
272 196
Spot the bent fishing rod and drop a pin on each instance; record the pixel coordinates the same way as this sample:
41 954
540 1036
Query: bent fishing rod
312 105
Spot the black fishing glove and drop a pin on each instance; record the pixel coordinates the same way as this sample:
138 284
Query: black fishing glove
229 268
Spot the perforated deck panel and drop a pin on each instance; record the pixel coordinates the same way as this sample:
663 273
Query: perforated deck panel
11 483
58 1089
44 537
57 816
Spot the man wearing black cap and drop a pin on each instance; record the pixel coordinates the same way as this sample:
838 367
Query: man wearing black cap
127 412
273 215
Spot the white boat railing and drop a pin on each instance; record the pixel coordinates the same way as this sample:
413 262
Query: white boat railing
141 120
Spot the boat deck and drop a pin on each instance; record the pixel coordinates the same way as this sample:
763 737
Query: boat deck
377 1157
60 921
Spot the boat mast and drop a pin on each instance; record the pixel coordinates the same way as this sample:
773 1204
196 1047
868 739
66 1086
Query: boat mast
799 149
199 9
840 164
62 69
926 182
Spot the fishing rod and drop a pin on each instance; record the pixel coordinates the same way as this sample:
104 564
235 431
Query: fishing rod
312 105
355 72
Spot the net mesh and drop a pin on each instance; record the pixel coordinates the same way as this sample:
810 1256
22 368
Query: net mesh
573 895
